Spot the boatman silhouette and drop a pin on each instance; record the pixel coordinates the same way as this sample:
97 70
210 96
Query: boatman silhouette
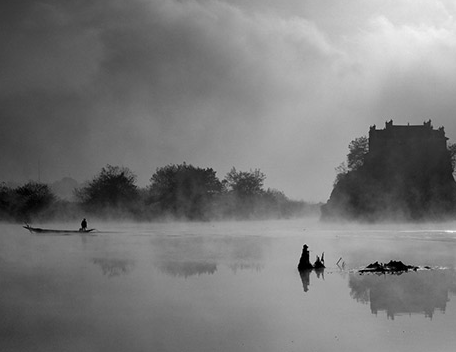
84 225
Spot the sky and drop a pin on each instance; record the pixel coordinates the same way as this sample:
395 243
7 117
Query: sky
280 86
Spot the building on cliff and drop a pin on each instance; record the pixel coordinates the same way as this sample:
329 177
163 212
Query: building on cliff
406 175
397 138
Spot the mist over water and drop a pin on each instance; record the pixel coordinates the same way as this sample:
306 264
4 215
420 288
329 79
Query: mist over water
227 286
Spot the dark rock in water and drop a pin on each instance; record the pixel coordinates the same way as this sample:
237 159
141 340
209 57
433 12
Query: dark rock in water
399 266
319 263
374 266
305 264
391 267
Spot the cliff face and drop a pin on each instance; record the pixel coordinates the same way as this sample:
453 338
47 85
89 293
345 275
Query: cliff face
406 175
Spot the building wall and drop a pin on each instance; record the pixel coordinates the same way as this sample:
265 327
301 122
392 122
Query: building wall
414 150
405 138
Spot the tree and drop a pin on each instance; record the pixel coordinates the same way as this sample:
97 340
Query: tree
31 199
184 190
113 187
6 201
357 151
4 195
358 148
245 188
245 184
452 151
342 171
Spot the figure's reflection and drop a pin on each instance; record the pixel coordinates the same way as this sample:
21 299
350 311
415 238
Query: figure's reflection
113 267
186 269
305 276
415 292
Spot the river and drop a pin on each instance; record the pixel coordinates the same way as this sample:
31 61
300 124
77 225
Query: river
226 286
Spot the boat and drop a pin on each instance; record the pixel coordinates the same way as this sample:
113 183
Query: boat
40 230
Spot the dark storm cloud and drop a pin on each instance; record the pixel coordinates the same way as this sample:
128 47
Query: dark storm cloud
283 87
48 61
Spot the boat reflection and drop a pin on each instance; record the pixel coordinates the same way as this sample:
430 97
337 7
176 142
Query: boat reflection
305 276
113 267
421 292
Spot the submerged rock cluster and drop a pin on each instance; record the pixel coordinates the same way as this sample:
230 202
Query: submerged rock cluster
304 261
391 267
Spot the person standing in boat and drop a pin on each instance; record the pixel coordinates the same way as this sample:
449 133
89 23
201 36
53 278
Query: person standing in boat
84 225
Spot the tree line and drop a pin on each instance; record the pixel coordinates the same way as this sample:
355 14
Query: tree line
180 191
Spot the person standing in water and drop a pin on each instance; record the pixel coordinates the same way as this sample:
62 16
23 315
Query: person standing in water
84 225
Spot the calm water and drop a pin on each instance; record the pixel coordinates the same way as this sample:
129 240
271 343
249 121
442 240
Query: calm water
225 287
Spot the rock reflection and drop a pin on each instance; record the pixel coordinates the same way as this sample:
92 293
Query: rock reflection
305 276
113 267
421 292
186 269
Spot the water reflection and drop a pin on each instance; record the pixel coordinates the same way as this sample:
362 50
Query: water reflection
186 269
305 276
184 256
421 292
113 267
235 267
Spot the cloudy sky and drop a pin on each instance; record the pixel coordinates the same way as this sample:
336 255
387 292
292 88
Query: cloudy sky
282 86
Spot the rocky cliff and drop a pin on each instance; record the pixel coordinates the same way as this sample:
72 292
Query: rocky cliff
406 175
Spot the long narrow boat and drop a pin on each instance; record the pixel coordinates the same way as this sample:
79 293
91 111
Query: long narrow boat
40 230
